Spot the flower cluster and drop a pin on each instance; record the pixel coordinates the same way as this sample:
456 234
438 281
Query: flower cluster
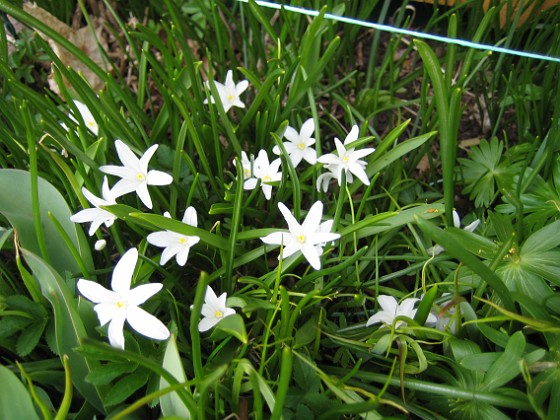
114 307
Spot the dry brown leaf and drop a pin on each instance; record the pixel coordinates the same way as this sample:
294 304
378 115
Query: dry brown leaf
82 38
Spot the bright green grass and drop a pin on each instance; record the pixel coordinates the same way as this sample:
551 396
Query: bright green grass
298 345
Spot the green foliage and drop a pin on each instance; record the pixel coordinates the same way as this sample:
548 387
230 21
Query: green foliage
298 344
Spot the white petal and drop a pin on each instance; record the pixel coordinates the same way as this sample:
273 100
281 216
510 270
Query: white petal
352 135
168 253
382 317
120 171
162 239
241 87
210 296
207 323
159 178
291 134
115 332
359 172
310 253
307 128
456 219
293 225
142 293
471 227
313 218
388 304
406 307
127 156
190 217
144 194
122 273
147 156
124 186
146 324
95 292
275 238
105 312
310 155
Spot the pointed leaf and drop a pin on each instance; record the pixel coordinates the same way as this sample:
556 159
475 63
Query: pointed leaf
16 206
69 328
171 404
15 401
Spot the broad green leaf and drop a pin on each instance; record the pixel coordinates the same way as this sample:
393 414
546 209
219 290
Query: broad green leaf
507 366
16 206
125 387
69 328
104 374
171 403
455 248
233 325
543 240
15 401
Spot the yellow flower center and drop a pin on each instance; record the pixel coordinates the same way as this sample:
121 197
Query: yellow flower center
247 172
183 240
301 146
266 178
345 158
120 304
218 314
230 98
91 123
140 176
301 238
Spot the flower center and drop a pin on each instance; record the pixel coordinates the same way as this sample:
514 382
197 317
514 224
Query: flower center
140 176
301 238
91 123
183 240
301 146
121 304
266 178
218 314
230 98
247 172
345 158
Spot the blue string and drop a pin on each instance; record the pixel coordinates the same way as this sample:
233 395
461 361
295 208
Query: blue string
401 31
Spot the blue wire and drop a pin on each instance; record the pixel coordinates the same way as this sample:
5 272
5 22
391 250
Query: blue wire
401 31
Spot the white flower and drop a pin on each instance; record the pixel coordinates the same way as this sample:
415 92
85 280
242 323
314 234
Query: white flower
229 92
266 172
250 182
308 238
391 310
175 244
324 179
348 160
96 215
134 173
88 119
122 304
213 310
100 245
438 249
299 145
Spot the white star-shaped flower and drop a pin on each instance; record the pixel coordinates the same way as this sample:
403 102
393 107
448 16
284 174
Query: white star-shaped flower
229 92
122 303
324 179
391 310
86 116
213 310
134 173
96 215
309 238
438 249
266 172
348 160
175 244
299 144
